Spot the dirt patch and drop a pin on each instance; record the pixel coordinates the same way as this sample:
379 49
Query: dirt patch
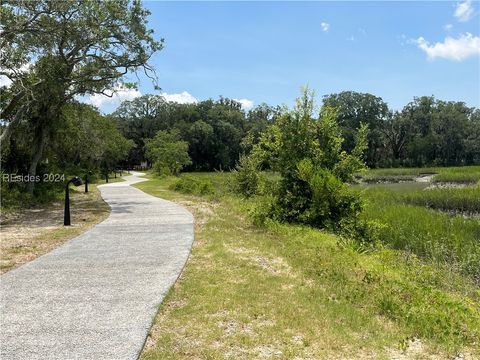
274 266
202 210
413 348
29 233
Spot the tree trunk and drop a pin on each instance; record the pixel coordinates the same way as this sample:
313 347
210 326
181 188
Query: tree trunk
37 156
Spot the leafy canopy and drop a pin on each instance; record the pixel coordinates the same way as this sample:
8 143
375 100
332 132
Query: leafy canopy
168 152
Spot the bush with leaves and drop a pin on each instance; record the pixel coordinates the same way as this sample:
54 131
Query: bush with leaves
194 186
307 152
168 152
247 176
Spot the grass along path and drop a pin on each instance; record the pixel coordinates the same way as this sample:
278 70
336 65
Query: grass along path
293 292
30 233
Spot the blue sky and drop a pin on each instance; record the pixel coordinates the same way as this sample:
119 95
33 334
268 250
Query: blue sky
264 51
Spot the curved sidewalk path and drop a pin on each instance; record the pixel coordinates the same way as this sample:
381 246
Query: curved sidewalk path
95 296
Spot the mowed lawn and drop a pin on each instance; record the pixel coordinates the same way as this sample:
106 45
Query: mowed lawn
283 291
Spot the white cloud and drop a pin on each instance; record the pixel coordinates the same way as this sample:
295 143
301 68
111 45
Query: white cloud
116 96
5 81
182 98
451 49
448 27
246 104
464 11
325 26
350 38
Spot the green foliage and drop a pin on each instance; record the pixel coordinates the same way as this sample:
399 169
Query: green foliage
354 109
307 152
247 176
323 201
88 139
54 51
194 186
168 153
349 164
214 130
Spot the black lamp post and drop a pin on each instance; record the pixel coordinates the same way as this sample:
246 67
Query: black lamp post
66 214
86 180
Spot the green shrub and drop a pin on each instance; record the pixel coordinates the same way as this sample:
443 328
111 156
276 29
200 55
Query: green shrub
317 198
307 153
160 169
194 186
247 176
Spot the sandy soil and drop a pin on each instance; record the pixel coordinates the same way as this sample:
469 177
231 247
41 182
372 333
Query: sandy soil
29 233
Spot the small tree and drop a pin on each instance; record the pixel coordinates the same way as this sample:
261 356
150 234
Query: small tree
168 152
307 152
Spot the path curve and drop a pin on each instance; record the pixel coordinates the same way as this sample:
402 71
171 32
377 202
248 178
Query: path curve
95 296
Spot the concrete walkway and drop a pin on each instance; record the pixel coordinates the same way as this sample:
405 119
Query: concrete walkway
95 296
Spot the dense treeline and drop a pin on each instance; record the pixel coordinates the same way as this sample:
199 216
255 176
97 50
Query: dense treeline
214 130
425 132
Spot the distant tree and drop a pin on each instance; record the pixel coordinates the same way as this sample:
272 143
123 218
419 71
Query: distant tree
397 131
168 152
352 109
53 51
138 120
472 140
260 118
200 137
439 132
85 138
450 129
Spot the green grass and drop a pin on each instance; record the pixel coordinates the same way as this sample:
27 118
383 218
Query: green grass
446 240
465 174
290 291
464 200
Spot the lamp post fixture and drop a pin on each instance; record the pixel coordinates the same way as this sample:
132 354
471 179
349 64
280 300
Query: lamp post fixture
66 214
86 180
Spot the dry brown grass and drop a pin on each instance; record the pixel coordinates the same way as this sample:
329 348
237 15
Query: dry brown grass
29 233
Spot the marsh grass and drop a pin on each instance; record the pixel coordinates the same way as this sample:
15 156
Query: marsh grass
447 240
464 200
465 174
288 291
